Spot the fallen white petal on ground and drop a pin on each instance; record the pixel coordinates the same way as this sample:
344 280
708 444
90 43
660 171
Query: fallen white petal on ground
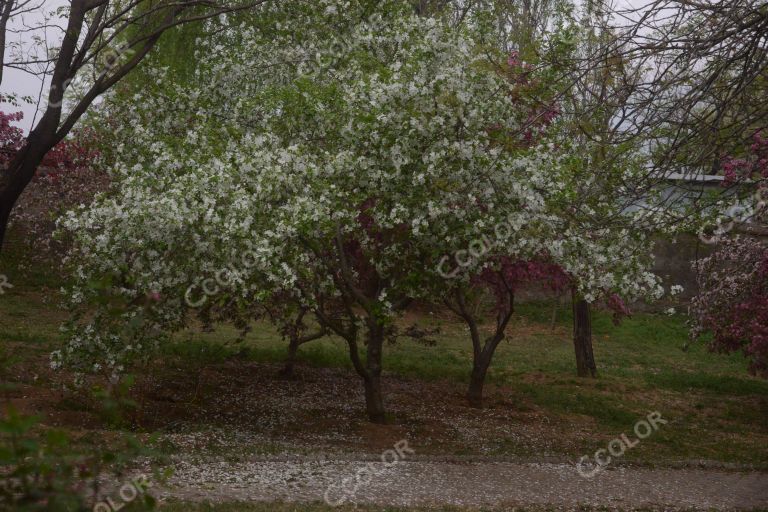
419 482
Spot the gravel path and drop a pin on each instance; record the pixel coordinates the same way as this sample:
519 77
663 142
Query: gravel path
424 483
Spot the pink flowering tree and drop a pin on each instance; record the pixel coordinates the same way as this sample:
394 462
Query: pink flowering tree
752 166
732 303
66 177
502 278
504 275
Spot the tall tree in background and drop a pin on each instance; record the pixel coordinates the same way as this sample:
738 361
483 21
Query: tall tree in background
590 123
101 42
704 83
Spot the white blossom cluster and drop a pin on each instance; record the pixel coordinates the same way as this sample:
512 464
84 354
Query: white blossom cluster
397 145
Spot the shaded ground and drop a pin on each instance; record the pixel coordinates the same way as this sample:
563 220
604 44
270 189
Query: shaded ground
238 408
209 396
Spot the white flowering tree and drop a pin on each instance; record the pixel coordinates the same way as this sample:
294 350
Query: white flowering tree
79 49
377 142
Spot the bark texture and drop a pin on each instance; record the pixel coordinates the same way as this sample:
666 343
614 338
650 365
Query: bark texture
582 338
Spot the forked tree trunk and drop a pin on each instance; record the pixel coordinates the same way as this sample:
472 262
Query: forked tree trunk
582 338
295 341
482 351
369 369
477 380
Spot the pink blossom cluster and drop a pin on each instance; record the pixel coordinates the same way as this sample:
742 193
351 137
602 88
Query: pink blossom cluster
752 166
732 303
11 137
544 110
508 273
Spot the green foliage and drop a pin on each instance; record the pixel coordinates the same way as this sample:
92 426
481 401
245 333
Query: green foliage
115 401
39 473
45 469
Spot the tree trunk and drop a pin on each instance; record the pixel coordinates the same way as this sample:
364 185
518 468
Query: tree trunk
295 341
290 361
12 183
374 401
582 338
20 171
5 216
482 352
477 380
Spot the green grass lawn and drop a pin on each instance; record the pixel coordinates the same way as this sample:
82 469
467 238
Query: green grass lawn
717 411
